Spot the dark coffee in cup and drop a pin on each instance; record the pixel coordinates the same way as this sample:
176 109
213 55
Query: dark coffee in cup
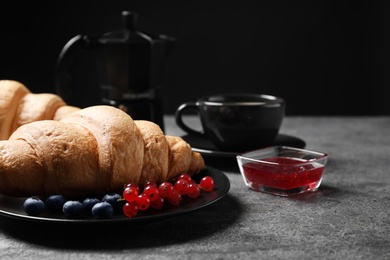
236 122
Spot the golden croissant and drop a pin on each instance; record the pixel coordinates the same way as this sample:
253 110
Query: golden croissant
18 106
94 150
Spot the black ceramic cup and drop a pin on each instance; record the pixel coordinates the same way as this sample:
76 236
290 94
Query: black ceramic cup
235 122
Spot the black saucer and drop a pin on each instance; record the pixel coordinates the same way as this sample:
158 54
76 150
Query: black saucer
207 148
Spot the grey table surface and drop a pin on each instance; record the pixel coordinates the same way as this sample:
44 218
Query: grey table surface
348 217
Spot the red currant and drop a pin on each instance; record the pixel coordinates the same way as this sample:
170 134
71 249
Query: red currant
130 210
142 202
158 203
193 191
152 192
181 186
150 183
185 176
207 183
165 189
130 193
136 186
174 198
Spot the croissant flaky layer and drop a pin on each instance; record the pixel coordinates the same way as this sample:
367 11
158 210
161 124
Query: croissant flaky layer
18 106
94 150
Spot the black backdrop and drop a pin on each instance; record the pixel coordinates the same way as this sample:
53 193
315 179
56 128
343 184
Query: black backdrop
322 57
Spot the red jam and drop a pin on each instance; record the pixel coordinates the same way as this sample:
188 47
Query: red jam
284 173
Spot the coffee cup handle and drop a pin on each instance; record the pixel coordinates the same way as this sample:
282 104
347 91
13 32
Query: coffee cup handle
179 118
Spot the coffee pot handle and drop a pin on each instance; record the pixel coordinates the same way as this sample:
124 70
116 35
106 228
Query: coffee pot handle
179 118
64 80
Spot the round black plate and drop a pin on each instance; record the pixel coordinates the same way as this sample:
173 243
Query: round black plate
12 207
207 148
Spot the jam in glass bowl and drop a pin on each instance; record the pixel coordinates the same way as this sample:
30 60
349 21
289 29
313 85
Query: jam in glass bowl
282 170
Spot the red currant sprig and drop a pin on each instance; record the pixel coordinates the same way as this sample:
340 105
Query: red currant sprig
155 196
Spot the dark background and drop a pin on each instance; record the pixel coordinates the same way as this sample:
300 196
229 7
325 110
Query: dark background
322 57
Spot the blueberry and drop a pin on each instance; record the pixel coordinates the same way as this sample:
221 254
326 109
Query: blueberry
88 204
114 200
55 203
34 206
102 210
73 209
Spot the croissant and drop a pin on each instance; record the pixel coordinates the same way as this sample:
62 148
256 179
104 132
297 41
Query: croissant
94 150
18 106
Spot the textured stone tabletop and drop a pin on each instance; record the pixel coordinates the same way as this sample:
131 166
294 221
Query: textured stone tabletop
348 217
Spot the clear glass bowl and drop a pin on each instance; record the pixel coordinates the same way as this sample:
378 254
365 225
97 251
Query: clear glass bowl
282 170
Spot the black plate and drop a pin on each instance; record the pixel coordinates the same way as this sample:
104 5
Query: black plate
207 148
12 207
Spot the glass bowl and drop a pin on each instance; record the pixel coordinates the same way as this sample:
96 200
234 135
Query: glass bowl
282 170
